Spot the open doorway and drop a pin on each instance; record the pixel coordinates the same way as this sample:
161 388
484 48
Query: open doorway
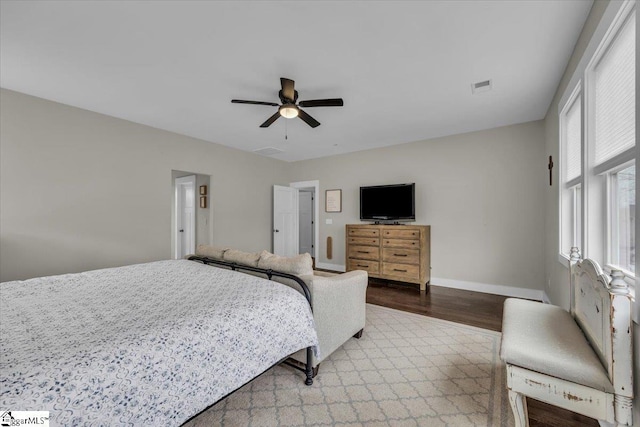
306 200
308 217
190 215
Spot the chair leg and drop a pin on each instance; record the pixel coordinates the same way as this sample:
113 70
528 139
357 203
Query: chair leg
519 408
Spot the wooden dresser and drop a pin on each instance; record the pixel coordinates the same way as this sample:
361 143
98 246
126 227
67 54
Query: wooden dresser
393 252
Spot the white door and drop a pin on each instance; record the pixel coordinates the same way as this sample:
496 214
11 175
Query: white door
285 220
306 222
185 232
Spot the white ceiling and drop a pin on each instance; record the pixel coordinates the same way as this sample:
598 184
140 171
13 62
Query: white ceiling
404 69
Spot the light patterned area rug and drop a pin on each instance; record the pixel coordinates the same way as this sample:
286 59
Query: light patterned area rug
406 370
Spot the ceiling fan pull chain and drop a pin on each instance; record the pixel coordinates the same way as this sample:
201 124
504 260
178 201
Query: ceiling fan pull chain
286 131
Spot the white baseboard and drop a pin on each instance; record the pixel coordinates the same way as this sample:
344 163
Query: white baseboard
332 267
486 288
545 298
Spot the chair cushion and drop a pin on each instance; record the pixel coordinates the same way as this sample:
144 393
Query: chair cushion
546 339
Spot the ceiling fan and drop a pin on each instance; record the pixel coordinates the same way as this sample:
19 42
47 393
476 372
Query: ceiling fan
289 109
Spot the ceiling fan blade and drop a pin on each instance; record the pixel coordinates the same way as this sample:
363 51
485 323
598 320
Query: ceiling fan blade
308 119
240 101
270 120
287 88
333 102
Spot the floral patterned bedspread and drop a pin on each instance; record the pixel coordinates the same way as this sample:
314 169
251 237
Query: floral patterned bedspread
147 344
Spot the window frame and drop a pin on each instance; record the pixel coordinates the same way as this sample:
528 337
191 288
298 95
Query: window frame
567 188
612 220
596 179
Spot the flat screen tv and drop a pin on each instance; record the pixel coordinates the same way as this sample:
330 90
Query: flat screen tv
388 202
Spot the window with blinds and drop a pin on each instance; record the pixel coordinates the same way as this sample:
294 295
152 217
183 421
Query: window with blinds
612 117
571 172
572 131
597 195
614 105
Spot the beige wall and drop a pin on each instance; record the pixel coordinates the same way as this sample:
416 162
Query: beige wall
481 192
557 274
82 190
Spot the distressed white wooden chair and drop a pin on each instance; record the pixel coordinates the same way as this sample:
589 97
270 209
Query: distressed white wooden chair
580 361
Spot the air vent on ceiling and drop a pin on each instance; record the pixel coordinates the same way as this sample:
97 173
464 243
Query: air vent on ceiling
268 151
483 86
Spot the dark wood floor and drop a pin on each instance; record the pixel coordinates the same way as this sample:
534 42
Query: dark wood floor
469 308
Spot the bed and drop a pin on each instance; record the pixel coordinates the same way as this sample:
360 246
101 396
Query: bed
147 344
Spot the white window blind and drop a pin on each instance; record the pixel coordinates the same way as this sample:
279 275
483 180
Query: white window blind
614 78
572 132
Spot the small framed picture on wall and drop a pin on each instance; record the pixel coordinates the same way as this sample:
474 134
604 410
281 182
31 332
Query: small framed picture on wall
333 201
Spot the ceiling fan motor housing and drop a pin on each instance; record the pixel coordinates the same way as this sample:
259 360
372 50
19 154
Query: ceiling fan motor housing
286 100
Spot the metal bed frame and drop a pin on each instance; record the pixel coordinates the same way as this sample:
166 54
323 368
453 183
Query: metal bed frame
308 369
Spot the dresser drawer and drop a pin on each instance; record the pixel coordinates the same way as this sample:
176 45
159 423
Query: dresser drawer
401 243
360 264
404 256
364 232
406 272
364 252
402 233
366 241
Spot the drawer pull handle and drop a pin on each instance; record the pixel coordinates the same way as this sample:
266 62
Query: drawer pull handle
400 255
360 265
397 269
363 252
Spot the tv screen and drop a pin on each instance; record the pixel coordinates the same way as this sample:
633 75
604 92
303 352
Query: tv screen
388 202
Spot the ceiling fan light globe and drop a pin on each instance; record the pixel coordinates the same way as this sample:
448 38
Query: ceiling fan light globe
288 111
